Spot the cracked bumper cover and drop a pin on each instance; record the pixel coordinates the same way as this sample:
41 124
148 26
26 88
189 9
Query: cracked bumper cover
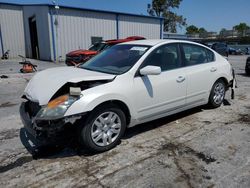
48 131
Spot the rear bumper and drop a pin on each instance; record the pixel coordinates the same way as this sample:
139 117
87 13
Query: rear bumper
47 132
232 84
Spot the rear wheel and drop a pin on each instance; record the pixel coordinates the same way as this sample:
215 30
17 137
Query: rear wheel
217 94
103 128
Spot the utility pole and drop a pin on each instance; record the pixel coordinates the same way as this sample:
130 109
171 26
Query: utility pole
56 25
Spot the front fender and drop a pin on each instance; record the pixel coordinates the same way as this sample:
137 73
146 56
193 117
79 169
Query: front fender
88 102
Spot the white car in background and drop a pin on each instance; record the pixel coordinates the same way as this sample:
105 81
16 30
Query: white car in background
128 84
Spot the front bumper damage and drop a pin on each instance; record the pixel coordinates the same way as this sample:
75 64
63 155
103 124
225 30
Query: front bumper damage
45 131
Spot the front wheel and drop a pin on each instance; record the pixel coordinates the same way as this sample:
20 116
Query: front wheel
103 128
217 94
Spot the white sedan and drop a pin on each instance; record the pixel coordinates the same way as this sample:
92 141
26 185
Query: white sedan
128 84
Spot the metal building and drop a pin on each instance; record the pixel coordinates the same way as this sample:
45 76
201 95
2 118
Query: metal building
48 32
11 30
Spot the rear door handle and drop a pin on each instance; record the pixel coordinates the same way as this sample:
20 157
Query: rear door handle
180 79
213 69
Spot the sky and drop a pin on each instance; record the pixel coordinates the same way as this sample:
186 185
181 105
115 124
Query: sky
213 15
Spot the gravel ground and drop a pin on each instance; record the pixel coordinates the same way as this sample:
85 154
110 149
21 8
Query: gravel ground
197 148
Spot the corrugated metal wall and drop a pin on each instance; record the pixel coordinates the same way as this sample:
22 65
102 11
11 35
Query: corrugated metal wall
75 29
40 13
132 25
12 30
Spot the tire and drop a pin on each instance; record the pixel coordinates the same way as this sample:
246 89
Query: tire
217 94
100 133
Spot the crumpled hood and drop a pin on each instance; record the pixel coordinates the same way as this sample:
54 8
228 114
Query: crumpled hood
46 83
82 52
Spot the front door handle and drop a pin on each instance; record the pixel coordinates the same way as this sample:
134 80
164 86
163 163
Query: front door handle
213 69
180 79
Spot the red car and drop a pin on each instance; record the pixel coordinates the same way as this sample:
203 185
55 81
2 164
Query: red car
80 56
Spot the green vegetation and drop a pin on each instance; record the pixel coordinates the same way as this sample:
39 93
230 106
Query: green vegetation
241 28
192 29
195 30
164 8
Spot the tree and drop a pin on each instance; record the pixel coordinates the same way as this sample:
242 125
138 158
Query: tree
241 28
192 29
222 32
202 32
163 8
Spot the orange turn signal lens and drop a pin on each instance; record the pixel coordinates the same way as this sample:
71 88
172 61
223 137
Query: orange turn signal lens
59 100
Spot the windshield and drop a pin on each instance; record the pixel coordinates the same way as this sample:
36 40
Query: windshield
98 46
117 59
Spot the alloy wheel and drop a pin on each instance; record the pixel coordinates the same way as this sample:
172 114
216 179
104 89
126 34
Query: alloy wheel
106 128
219 93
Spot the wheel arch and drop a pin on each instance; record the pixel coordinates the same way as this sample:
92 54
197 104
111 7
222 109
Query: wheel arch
120 104
211 103
224 80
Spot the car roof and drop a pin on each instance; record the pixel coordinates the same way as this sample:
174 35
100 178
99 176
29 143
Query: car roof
154 42
116 41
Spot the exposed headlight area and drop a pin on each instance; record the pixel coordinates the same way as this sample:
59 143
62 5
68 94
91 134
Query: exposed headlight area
45 123
57 107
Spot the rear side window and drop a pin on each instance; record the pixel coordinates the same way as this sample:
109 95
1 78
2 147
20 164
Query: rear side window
195 55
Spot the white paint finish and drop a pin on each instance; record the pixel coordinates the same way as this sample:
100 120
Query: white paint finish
202 77
11 20
159 93
139 26
41 14
147 98
38 91
76 28
200 81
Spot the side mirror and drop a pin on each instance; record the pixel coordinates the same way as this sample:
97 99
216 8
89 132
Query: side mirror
150 70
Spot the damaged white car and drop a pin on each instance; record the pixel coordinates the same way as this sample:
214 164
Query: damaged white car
128 84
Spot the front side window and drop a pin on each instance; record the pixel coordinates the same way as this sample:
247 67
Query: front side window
167 57
117 59
195 55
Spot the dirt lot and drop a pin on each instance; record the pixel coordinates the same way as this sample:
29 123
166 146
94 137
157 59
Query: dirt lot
197 148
